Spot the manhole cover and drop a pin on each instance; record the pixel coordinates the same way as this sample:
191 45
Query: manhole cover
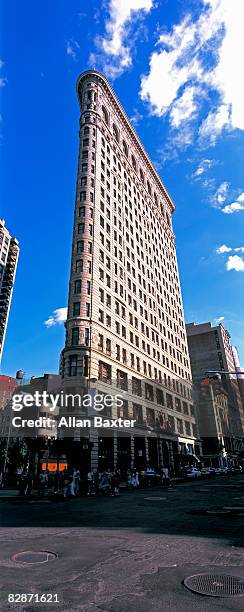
155 498
215 585
30 557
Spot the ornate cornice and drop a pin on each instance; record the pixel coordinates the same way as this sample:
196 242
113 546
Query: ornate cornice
119 109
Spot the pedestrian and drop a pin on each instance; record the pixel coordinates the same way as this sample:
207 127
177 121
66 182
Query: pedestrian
89 482
77 481
72 485
115 483
104 485
165 476
134 479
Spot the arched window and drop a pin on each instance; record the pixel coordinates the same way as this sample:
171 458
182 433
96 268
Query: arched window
115 132
142 176
125 148
105 115
149 189
133 161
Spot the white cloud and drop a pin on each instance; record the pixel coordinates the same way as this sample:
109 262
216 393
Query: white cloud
1 63
181 69
136 117
221 194
232 208
57 317
116 45
223 249
71 48
218 320
203 166
235 263
235 207
185 108
214 124
3 81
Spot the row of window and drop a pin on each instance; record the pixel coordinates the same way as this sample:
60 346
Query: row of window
134 163
144 389
145 347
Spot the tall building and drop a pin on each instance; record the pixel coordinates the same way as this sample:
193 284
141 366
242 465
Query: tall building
9 252
125 329
7 386
219 406
239 372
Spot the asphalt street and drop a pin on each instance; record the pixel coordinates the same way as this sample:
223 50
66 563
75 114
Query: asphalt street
128 553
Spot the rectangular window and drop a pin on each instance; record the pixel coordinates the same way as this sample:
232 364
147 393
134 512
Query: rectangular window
101 316
73 365
105 372
75 335
101 295
149 392
77 286
138 414
79 265
160 397
122 380
136 386
124 356
80 246
108 346
76 309
88 310
87 336
100 342
81 228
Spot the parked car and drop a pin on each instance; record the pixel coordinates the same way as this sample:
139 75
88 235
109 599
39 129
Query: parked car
193 473
221 471
208 471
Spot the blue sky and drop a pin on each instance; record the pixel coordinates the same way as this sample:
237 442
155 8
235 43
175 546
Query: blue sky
177 72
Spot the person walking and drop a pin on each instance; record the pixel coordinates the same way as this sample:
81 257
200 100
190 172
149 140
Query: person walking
165 476
89 482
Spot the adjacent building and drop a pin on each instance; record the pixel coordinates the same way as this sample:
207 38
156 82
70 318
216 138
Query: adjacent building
125 330
218 400
239 372
7 386
9 252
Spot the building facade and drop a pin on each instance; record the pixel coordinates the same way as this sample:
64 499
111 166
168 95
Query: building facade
7 386
125 329
9 252
221 428
239 372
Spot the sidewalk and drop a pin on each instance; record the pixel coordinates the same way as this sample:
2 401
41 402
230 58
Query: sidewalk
8 493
